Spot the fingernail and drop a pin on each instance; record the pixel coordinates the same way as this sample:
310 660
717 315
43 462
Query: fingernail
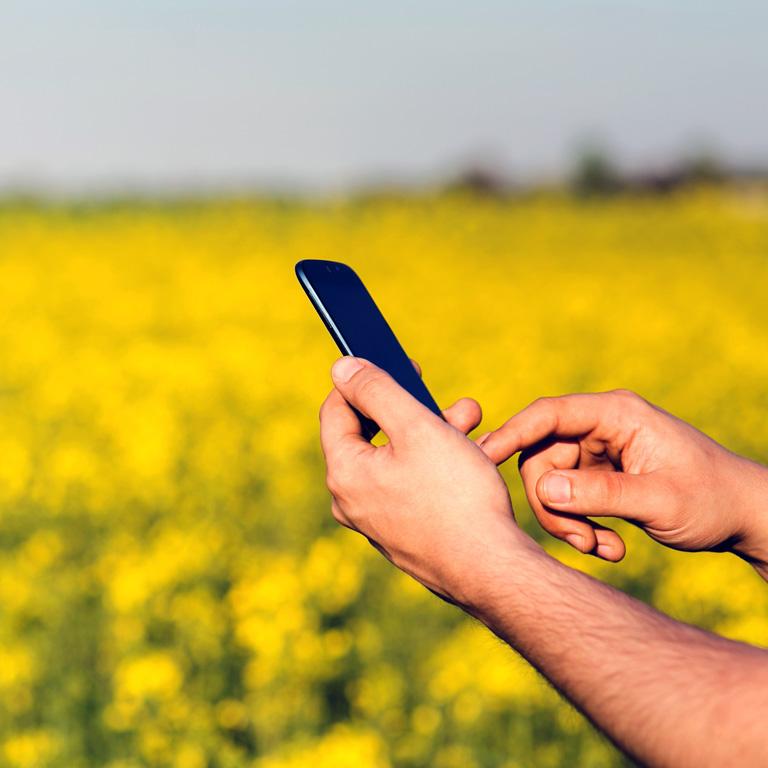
576 540
606 552
557 489
345 368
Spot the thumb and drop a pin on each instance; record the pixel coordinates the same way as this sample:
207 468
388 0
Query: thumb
377 395
597 493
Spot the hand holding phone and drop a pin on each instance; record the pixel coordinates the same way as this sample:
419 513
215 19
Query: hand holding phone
358 327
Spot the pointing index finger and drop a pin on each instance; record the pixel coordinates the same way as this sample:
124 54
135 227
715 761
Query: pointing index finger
568 416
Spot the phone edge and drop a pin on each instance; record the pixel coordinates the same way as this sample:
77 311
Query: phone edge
321 310
368 426
336 335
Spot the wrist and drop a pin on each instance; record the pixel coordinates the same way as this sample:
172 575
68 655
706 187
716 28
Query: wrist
751 542
498 573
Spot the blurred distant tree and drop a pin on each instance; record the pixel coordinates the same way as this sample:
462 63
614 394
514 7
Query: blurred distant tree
702 168
595 174
481 181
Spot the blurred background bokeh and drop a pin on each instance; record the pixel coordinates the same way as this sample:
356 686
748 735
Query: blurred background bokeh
543 197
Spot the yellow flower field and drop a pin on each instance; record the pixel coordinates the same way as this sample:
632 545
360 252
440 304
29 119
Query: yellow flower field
173 590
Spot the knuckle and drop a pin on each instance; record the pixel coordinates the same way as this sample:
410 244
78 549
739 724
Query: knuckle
332 483
421 431
611 488
340 517
627 397
371 384
543 403
338 480
547 410
337 514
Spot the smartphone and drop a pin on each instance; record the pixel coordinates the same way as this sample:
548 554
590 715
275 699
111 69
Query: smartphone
358 327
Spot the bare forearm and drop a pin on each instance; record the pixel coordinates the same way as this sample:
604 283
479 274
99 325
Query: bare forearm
666 693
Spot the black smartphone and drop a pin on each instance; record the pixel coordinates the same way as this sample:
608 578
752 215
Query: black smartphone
358 327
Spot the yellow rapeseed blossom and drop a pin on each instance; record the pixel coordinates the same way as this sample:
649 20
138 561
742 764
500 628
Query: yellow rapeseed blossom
341 748
173 590
152 676
29 749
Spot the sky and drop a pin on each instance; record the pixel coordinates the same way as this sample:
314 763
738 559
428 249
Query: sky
328 95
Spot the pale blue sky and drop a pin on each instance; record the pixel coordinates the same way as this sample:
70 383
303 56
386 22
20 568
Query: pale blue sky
328 94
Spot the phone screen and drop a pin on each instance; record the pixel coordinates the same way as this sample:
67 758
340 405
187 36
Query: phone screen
357 325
